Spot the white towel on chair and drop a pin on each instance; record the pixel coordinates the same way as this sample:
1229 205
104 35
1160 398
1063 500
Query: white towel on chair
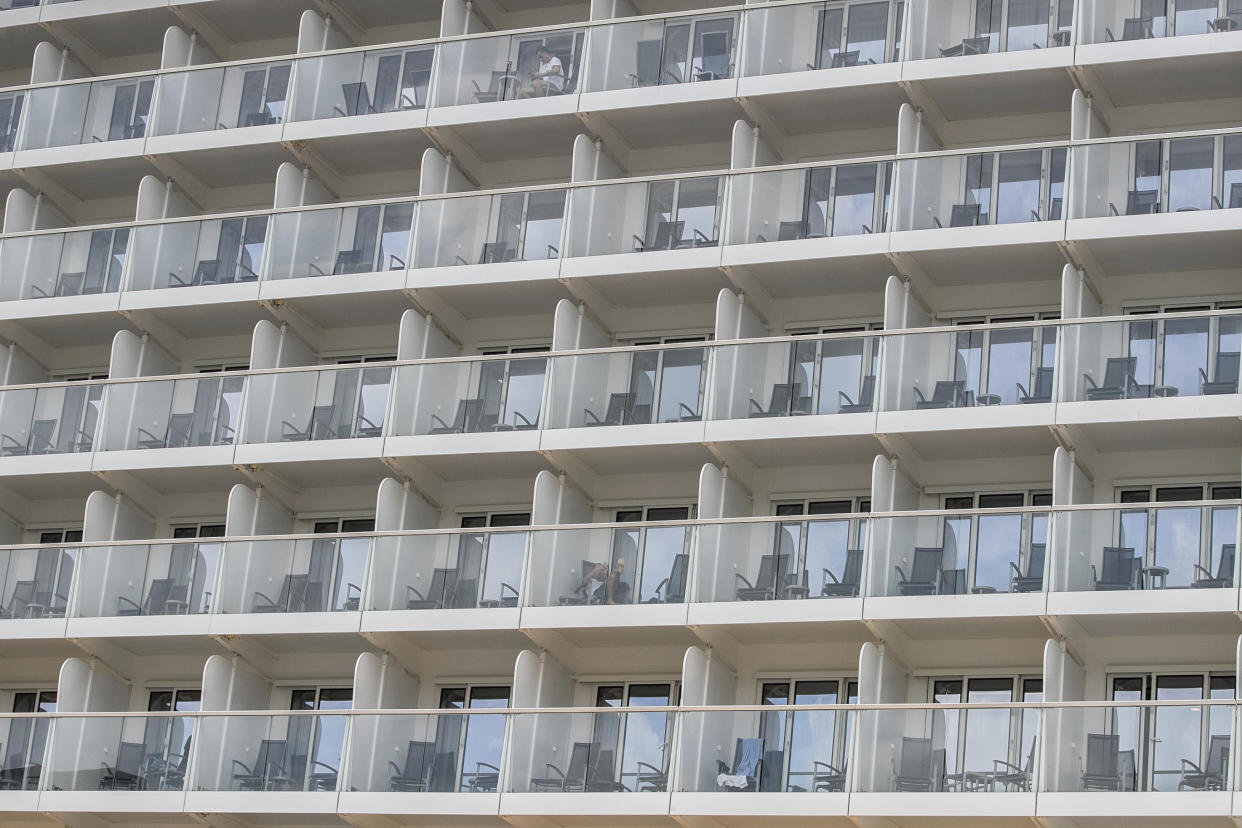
731 780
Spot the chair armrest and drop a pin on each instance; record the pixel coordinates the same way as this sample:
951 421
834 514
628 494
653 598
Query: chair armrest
435 418
1094 576
244 766
866 229
318 270
592 415
180 282
393 257
1206 574
478 765
1203 377
151 438
1021 390
122 599
553 767
691 412
554 252
699 237
737 576
1109 33
369 424
1216 203
937 220
1112 208
287 427
396 771
1000 764
828 574
36 289
518 415
830 768
754 406
659 590
639 244
843 397
338 111
919 394
315 762
1086 378
410 589
1034 214
510 587
270 602
1017 573
355 588
1186 763
901 574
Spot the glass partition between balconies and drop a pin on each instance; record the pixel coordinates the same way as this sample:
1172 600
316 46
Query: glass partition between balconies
88 112
808 375
24 740
506 227
1121 20
647 563
840 200
118 753
1010 364
289 752
340 240
320 574
444 751
50 419
774 750
655 52
362 82
455 570
507 67
35 582
1007 187
963 552
329 403
640 216
822 556
79 263
604 751
1181 543
828 35
147 579
470 396
629 387
192 253
11 104
222 97
1170 175
1179 355
198 410
966 27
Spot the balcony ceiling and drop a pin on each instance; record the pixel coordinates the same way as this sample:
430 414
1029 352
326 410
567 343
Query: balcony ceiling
661 288
1188 78
83 330
244 21
17 45
981 265
492 467
1167 252
971 443
106 179
396 154
648 459
379 13
1000 94
838 450
794 279
517 139
196 321
703 122
532 298
841 109
234 166
139 32
349 310
71 486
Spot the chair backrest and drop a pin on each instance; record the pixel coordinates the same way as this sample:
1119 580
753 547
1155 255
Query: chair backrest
976 45
647 62
852 574
494 252
416 755
129 758
579 756
947 391
789 230
927 560
964 215
675 592
1136 28
841 59
23 594
604 770
157 596
1227 363
180 430
1118 565
617 405
41 432
1224 569
715 51
916 758
783 394
1235 194
1116 369
293 593
767 572
1217 754
1035 563
866 396
443 584
357 98
443 771
271 752
1043 383
668 234
1102 754
1142 202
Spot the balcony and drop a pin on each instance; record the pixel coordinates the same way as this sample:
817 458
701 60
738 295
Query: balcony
470 396
50 419
198 410
339 241
662 52
150 579
74 263
36 582
222 97
1115 20
294 575
195 253
492 68
441 752
291 752
490 229
638 217
813 203
999 26
325 403
119 753
626 750
87 112
359 82
829 35
456 570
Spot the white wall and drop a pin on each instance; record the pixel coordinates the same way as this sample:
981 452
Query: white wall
247 566
881 680
892 541
739 371
580 382
704 738
228 684
79 748
539 680
554 566
381 682
721 552
105 572
1064 731
399 562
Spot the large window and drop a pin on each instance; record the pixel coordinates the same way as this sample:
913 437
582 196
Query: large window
1179 546
805 750
982 551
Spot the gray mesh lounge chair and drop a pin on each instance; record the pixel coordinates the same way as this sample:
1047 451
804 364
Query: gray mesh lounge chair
466 419
851 577
617 413
1211 776
1041 389
290 599
443 587
1224 571
267 770
668 237
39 441
1118 383
572 778
1226 380
914 771
924 575
781 403
672 590
413 775
866 398
154 604
318 427
1033 579
1103 765
945 394
126 773
1119 570
764 586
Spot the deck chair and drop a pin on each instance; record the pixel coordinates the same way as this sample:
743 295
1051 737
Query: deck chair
126 773
668 237
866 398
498 89
744 774
154 604
617 413
646 64
268 766
466 419
1226 380
713 56
572 778
764 587
1134 28
1211 776
413 776
827 777
38 442
672 590
602 775
1119 570
499 251
1009 776
792 230
843 59
588 591
442 588
176 435
1140 203
357 100
1103 765
1041 389
1224 571
848 584
914 773
318 426
780 404
1118 383
924 578
172 773
964 215
21 599
1033 579
290 598
945 394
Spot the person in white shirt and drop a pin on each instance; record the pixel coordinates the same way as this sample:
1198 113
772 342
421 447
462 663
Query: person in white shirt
548 78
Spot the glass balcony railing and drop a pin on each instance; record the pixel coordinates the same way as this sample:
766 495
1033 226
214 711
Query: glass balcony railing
813 203
192 253
619 750
1123 20
1008 187
198 410
118 753
650 384
655 52
1170 175
147 579
507 67
640 216
49 419
326 403
284 575
455 570
440 752
1000 365
338 241
35 583
74 263
1150 546
6 5
965 28
639 563
87 112
506 227
279 752
825 35
222 97
470 396
362 82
